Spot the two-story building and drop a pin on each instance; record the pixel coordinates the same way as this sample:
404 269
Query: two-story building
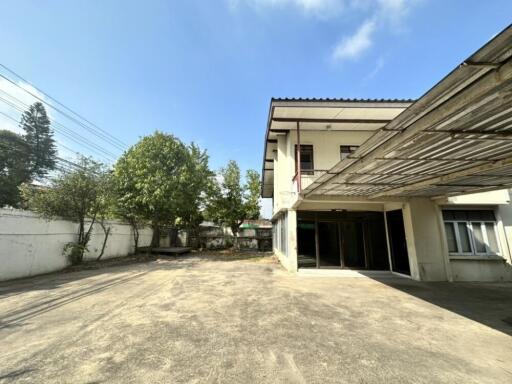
418 188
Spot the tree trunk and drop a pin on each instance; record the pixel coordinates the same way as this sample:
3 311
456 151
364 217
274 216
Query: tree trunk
106 231
135 237
234 229
155 240
81 238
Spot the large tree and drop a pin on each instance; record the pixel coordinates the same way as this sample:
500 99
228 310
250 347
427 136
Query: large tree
14 167
39 137
196 180
76 196
232 201
149 179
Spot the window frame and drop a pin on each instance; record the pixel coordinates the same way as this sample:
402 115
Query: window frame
307 171
472 240
353 147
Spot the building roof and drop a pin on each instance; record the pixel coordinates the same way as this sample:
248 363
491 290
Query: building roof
455 139
366 115
347 100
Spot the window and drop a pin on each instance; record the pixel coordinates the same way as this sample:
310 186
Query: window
471 232
346 150
306 159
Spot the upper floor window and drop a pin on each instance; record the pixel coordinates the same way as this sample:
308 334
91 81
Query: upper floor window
306 159
346 150
471 232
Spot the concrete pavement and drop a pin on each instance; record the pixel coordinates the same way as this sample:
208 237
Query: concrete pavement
201 320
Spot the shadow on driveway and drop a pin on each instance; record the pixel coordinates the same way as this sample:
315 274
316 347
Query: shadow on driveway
487 303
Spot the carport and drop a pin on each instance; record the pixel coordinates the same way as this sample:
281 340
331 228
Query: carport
456 139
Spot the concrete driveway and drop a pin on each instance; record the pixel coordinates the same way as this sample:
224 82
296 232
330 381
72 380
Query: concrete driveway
198 320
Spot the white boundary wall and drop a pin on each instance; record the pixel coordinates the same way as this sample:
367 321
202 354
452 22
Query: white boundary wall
31 246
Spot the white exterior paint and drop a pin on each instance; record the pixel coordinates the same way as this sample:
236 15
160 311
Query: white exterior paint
31 246
424 242
424 227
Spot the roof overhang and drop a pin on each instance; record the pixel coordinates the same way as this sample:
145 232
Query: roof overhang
456 139
321 115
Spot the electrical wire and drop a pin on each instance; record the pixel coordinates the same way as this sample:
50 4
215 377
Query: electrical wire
64 131
104 136
62 105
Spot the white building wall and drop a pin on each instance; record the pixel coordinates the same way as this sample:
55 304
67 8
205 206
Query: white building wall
424 240
424 228
326 144
31 246
292 241
489 268
326 153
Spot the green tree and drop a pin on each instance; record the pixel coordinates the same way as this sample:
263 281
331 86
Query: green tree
75 196
232 202
106 206
39 137
126 208
196 179
14 167
149 177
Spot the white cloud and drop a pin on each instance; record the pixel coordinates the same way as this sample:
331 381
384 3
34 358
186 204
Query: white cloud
394 10
376 69
388 14
376 15
351 47
320 8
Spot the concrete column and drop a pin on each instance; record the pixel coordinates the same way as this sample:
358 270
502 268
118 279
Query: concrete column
424 240
292 241
280 173
504 216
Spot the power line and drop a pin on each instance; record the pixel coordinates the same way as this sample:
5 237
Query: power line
58 159
63 130
55 122
102 135
62 105
69 136
98 131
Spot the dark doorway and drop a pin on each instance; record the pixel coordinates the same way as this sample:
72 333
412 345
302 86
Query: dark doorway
376 244
346 239
329 244
306 254
353 244
397 242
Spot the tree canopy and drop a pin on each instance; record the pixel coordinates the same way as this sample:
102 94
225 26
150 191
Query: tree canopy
14 166
39 138
76 196
232 202
25 157
151 179
196 181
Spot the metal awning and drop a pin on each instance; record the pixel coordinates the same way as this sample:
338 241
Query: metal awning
348 115
455 139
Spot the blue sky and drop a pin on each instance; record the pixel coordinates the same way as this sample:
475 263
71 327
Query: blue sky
205 70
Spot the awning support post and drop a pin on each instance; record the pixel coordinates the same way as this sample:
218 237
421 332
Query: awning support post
297 165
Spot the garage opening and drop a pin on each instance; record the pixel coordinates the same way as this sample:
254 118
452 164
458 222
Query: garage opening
342 239
397 242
